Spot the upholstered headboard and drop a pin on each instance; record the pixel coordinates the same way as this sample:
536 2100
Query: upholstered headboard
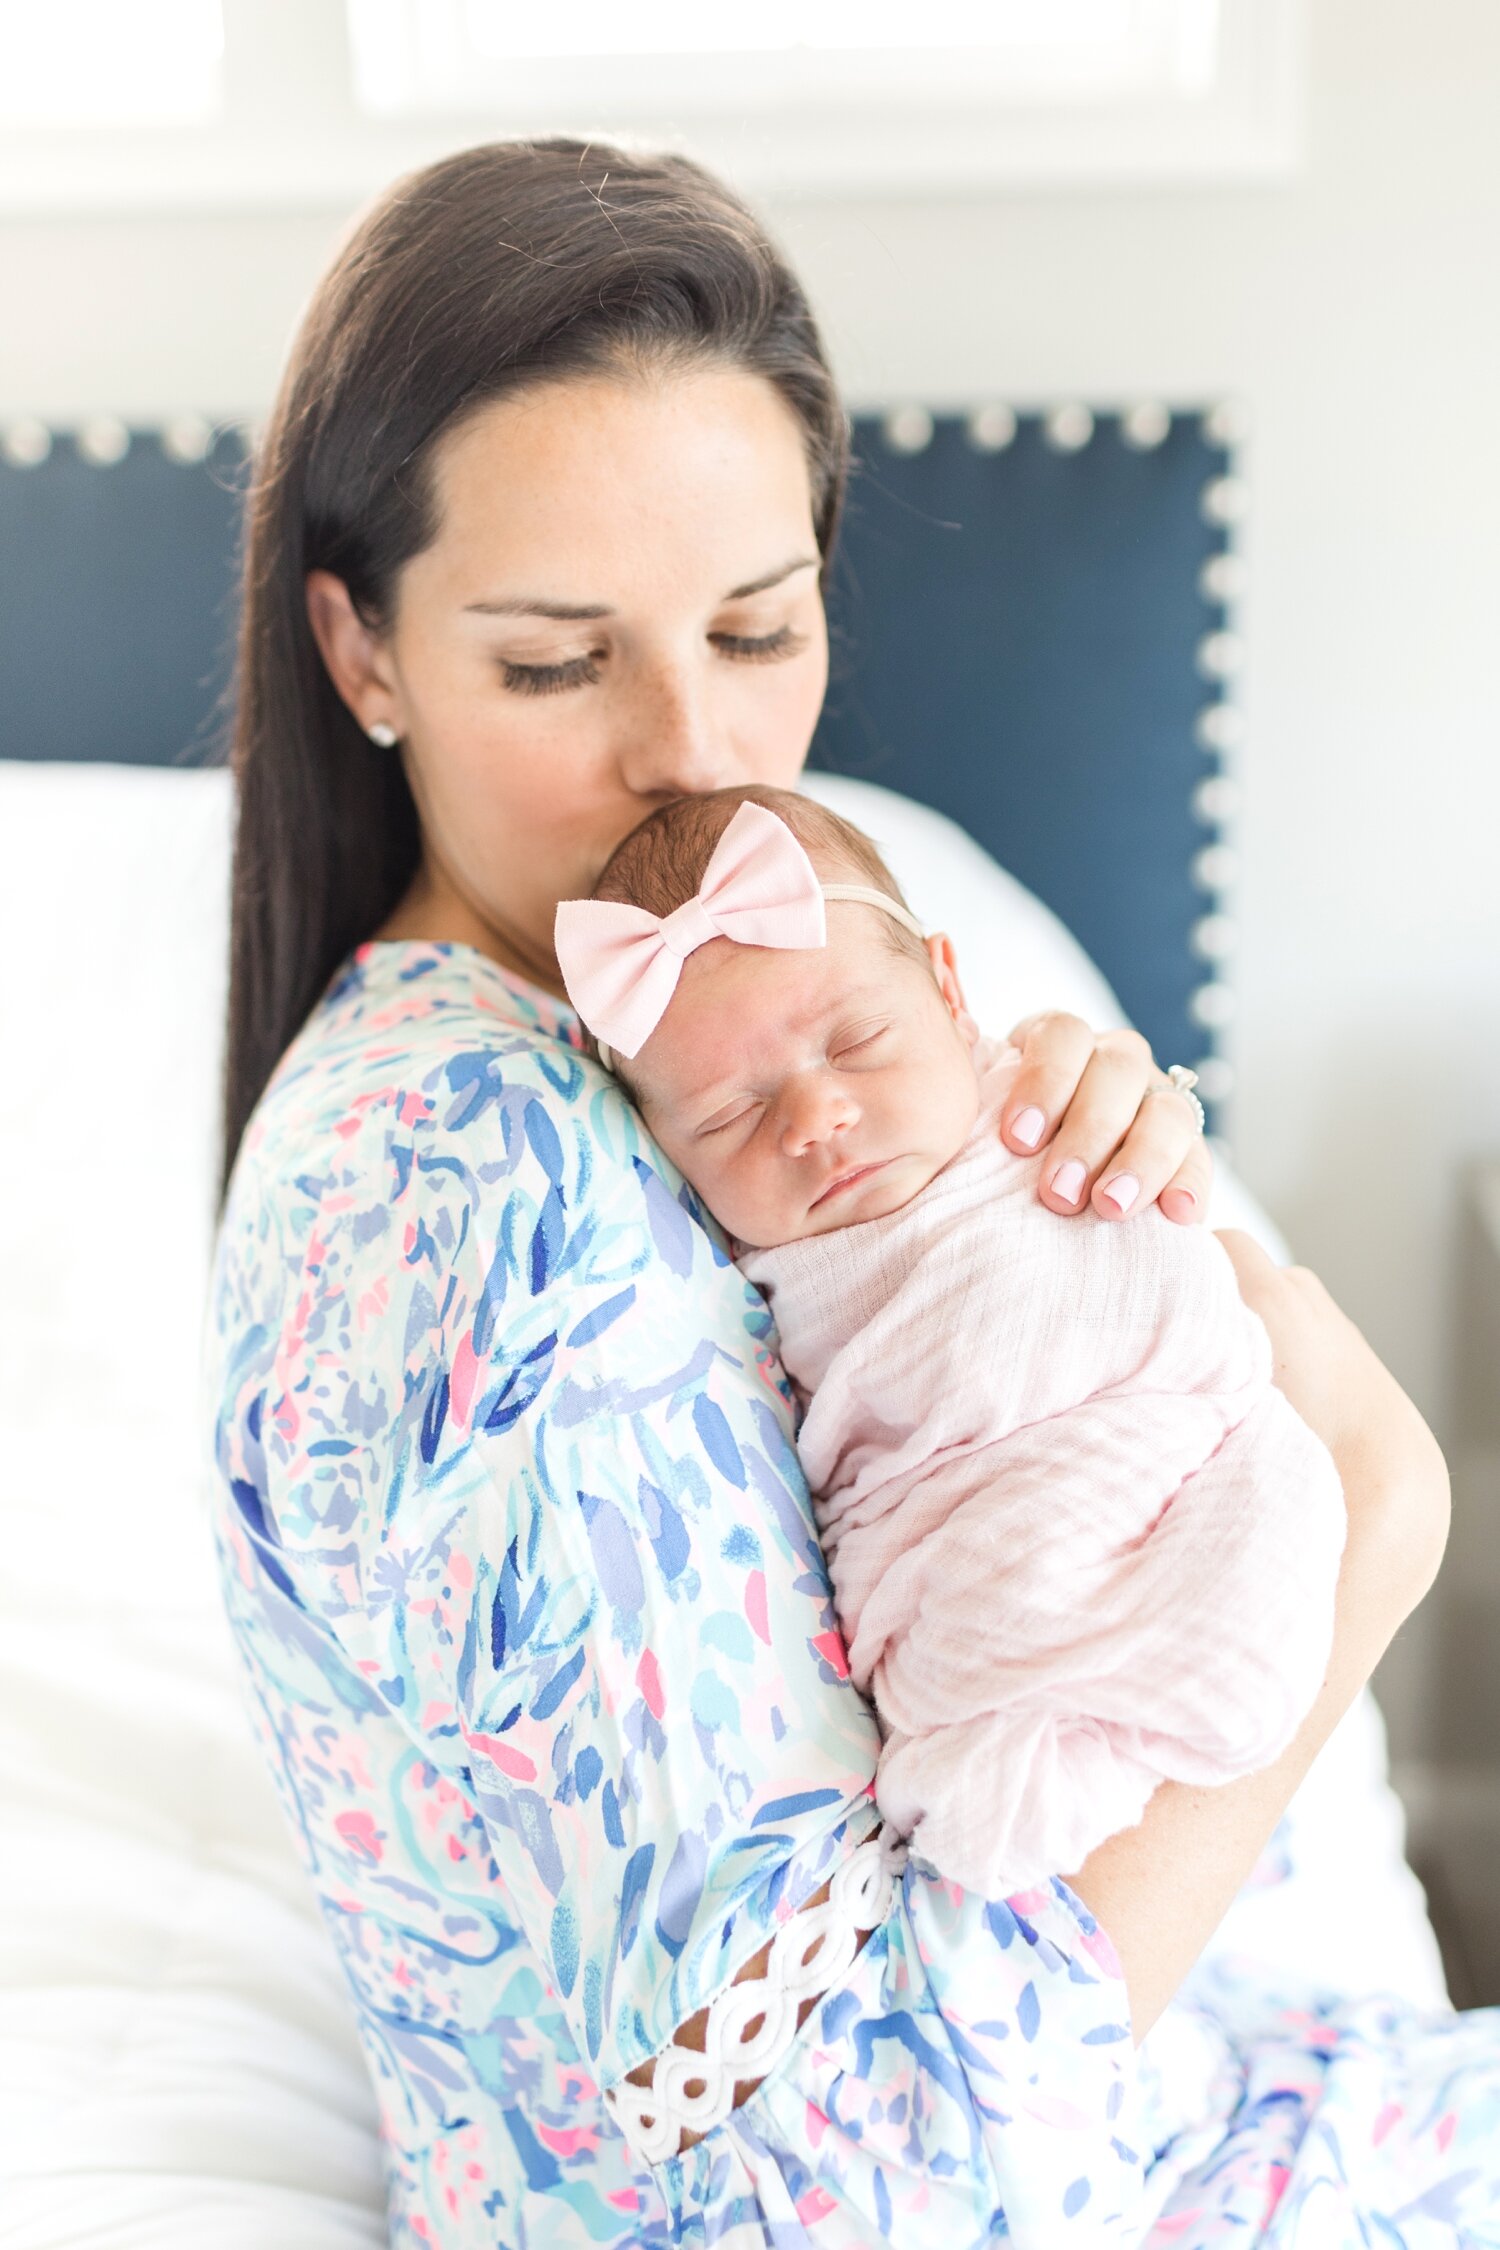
1028 615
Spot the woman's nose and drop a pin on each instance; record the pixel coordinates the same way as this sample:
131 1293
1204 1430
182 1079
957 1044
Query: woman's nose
674 741
816 1109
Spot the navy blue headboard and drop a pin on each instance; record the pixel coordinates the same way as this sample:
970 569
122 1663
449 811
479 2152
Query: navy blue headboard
1029 635
117 590
1027 616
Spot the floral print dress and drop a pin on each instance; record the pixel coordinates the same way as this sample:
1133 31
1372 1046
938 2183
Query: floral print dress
539 1645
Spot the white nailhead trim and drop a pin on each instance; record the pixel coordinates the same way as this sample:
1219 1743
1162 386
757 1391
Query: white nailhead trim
1220 726
1068 428
1146 425
1223 578
1226 500
1215 868
1214 937
908 429
1215 1077
1221 655
104 440
992 428
1216 798
187 438
1228 423
1211 1005
809 1953
27 442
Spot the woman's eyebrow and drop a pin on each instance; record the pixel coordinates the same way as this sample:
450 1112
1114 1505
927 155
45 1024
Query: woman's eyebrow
772 578
518 606
569 612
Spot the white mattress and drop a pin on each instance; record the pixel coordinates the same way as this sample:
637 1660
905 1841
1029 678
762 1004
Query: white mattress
177 2059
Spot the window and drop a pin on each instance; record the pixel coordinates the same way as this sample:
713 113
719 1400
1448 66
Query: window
844 95
111 104
456 54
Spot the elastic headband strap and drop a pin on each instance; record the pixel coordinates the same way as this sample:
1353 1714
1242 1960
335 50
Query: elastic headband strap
864 896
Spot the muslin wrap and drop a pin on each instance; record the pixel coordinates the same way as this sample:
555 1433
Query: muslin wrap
1079 1542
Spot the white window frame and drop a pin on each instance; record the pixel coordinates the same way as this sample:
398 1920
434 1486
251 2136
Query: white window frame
292 138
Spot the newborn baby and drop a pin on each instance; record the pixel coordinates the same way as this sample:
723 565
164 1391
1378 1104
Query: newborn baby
1079 1543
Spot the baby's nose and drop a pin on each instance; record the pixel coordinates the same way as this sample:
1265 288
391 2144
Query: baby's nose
819 1108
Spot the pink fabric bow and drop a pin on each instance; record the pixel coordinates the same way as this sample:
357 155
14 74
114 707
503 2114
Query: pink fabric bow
621 965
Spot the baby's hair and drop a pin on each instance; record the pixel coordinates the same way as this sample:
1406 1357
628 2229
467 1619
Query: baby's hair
661 864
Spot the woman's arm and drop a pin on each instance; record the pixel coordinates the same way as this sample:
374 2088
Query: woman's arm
1161 1889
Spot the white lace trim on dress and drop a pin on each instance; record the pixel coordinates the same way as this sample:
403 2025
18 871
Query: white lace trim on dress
751 2024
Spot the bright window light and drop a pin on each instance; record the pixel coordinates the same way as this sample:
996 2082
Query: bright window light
453 54
110 62
685 27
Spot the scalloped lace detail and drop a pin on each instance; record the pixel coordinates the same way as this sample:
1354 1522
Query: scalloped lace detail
752 2024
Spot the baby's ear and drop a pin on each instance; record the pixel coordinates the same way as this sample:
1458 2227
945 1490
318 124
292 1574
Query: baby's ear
945 968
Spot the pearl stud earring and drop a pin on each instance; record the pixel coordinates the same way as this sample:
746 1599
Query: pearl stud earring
383 733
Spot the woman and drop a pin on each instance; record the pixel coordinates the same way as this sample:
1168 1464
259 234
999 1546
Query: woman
514 1539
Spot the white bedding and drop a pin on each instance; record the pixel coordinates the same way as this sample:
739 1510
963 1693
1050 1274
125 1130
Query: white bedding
177 2064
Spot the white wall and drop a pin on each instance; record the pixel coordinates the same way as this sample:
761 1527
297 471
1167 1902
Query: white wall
1356 310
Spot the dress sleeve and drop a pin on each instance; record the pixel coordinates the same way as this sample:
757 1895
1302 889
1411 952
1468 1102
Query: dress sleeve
575 1553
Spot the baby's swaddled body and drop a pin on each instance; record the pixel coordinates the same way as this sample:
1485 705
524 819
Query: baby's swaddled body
1079 1542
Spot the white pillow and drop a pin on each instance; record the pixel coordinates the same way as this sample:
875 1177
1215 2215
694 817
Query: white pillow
113 917
178 2064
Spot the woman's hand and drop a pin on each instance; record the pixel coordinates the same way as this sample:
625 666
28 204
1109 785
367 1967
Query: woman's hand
1118 1134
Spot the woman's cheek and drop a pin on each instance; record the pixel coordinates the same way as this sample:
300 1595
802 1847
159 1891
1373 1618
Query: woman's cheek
776 722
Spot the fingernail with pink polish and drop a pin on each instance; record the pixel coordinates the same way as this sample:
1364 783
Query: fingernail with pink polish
1027 1128
1122 1191
1068 1179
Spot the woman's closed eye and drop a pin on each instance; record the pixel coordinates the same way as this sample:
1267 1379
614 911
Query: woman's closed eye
783 642
587 671
551 679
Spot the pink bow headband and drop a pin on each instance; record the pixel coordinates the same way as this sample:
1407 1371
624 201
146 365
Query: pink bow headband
620 965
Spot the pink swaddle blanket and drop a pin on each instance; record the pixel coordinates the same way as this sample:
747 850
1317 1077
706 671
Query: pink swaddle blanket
1079 1542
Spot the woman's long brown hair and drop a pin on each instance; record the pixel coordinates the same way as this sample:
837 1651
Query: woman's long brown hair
507 265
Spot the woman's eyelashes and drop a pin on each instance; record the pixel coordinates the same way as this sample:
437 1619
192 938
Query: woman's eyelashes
783 642
586 671
551 679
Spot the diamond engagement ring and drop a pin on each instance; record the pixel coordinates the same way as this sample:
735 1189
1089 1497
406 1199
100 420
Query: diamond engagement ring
1185 1080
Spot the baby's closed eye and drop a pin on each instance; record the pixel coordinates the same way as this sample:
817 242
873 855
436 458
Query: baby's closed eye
721 1120
862 1036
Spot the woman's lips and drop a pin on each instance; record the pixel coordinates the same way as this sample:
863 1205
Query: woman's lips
843 1180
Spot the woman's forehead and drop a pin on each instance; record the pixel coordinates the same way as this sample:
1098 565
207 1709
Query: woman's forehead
595 477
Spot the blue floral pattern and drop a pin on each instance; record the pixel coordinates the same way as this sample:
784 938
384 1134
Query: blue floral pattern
540 1648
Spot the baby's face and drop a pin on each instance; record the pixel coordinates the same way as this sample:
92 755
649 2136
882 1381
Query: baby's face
804 1091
